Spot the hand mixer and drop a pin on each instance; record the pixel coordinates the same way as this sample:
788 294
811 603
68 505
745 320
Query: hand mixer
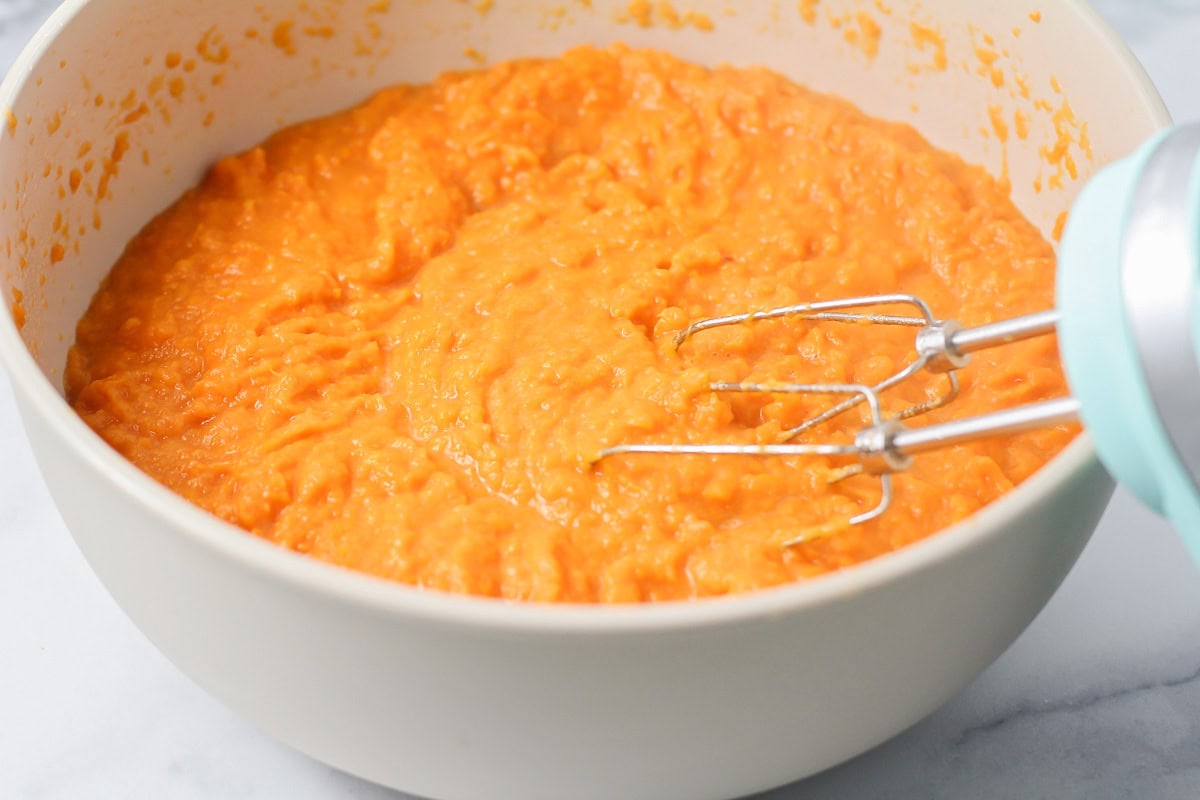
1128 321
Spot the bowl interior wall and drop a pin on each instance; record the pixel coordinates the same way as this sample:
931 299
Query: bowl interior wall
133 101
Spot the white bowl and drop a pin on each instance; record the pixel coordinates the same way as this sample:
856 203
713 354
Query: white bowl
461 697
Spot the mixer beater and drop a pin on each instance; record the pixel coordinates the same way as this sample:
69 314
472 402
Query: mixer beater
1128 320
887 445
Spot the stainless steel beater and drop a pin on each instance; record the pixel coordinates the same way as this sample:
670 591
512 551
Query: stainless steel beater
1128 320
887 445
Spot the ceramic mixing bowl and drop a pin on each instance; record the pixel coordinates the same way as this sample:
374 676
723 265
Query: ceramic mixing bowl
118 105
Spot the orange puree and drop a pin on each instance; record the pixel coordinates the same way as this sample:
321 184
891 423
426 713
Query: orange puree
393 338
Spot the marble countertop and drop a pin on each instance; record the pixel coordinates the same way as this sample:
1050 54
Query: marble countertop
1100 698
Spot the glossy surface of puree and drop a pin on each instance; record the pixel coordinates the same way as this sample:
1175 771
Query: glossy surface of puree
393 338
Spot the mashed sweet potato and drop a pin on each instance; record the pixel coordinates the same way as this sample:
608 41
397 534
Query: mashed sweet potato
394 338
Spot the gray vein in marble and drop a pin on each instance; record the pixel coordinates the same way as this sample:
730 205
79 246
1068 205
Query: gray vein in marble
1070 705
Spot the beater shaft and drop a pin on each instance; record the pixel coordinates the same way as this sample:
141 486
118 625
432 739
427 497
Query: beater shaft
1006 331
912 441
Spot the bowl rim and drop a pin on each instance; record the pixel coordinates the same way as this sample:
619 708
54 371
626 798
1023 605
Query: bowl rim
303 573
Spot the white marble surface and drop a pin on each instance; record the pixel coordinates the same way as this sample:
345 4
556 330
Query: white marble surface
1100 698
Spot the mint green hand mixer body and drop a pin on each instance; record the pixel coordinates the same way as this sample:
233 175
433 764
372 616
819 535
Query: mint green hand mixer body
1128 320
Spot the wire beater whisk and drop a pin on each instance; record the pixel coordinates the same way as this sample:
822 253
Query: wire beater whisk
886 445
